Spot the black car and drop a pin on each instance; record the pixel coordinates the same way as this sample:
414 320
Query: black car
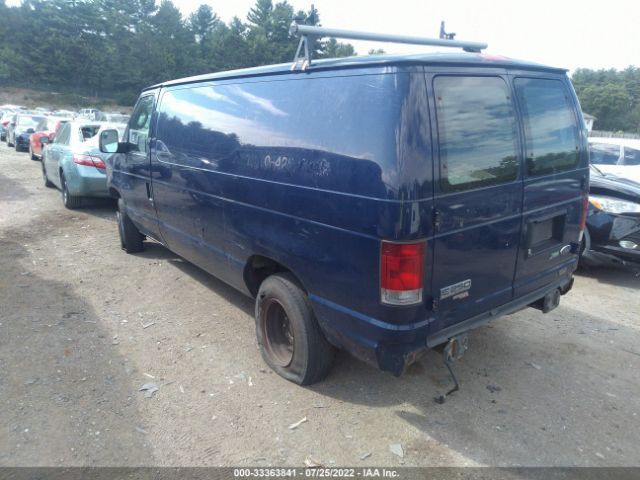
613 222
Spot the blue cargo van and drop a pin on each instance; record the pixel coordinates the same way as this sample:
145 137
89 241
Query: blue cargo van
382 205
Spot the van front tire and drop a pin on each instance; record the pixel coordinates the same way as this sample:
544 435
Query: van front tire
288 333
131 240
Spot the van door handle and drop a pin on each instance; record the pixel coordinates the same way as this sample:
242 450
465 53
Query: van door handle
149 195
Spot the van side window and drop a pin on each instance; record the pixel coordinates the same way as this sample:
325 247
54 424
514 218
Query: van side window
139 125
604 154
549 126
476 132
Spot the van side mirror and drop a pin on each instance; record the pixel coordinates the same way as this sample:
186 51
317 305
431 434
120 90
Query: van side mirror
109 142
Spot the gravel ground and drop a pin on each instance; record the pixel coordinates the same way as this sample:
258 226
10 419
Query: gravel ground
83 326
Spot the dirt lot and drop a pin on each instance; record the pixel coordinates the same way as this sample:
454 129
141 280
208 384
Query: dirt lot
83 326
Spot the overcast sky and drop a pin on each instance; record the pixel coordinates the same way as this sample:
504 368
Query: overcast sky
564 33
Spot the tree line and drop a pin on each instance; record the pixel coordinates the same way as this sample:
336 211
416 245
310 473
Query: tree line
612 96
114 48
117 47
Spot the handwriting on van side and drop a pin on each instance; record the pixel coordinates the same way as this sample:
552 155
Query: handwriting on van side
314 167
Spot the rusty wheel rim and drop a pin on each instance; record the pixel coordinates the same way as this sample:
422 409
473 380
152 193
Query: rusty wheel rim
279 341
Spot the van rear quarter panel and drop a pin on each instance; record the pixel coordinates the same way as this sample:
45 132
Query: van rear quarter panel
309 169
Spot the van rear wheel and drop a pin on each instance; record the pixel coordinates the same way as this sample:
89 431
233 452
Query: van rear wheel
130 237
289 336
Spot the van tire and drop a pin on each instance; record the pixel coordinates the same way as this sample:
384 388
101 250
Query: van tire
70 201
309 356
131 240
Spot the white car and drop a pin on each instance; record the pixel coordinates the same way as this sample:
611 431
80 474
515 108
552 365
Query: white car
89 113
618 156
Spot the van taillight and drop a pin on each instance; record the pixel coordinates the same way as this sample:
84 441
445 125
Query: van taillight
401 272
583 219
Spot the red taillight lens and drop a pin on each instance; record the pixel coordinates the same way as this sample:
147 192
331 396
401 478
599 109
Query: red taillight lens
402 268
89 161
4 124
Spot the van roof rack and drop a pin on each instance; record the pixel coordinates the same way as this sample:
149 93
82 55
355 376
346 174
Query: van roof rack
308 34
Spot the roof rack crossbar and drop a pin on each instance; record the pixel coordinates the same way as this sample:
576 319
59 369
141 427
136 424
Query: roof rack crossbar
310 33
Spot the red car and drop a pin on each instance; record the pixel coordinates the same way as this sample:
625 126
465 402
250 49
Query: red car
47 127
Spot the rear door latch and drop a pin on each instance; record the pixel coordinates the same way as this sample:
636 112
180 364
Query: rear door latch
436 219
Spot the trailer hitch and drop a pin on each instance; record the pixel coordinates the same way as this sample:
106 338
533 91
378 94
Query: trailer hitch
453 350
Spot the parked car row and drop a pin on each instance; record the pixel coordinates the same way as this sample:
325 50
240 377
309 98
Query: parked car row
8 115
67 148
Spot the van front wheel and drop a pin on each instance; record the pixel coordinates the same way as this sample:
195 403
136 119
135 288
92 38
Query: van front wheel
130 237
289 337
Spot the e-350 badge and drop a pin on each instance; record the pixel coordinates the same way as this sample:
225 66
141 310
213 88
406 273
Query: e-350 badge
456 289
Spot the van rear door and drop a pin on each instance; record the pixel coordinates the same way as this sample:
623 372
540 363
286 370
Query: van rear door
478 194
556 179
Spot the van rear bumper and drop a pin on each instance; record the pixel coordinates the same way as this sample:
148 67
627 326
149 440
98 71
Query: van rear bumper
564 285
387 346
394 347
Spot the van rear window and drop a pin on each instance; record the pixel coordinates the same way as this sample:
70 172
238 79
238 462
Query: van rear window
476 131
550 127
